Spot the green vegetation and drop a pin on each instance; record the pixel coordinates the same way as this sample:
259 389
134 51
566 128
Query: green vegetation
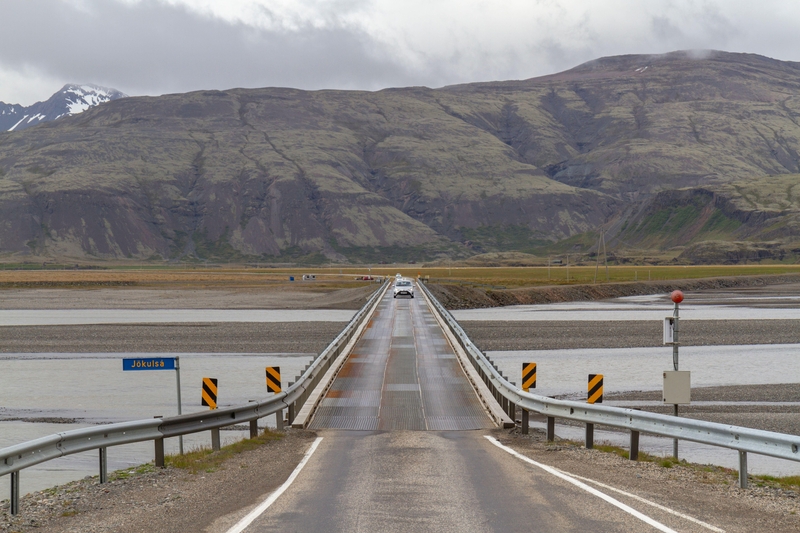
720 225
372 255
218 250
128 472
724 475
787 482
397 176
504 238
207 460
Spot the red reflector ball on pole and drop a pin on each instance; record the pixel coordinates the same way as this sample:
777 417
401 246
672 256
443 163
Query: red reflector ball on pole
677 296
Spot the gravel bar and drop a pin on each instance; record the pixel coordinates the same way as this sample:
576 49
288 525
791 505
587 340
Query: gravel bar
563 335
226 337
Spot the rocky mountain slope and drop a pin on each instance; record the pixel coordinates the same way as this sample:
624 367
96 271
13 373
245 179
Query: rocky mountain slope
70 100
658 152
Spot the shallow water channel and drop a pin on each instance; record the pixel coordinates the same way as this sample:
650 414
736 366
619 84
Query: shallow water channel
565 373
42 394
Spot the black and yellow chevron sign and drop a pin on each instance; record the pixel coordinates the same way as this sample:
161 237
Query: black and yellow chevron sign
273 379
209 393
595 388
528 376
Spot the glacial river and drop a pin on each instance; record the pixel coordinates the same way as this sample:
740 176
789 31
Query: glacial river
41 394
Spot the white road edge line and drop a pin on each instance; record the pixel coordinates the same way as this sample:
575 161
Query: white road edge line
648 502
630 510
242 524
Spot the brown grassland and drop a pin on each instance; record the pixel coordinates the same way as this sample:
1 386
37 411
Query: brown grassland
333 278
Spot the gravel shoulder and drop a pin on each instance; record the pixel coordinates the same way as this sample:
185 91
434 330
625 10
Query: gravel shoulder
167 499
177 500
709 494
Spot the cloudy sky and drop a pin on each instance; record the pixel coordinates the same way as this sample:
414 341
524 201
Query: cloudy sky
161 46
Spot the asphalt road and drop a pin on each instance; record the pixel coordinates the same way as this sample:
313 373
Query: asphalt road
417 481
423 480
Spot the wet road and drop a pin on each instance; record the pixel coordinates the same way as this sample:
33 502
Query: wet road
387 461
402 374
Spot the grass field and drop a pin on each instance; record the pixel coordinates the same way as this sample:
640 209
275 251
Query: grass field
335 278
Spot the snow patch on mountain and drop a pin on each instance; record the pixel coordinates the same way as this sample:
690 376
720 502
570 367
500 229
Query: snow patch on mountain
70 100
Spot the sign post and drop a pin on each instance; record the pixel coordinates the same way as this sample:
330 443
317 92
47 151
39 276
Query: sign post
178 384
677 298
158 363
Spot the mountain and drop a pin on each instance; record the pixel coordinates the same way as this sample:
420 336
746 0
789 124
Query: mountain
668 155
70 100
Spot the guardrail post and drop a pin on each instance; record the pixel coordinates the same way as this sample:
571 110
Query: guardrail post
525 422
512 411
279 420
742 470
159 452
14 493
551 428
215 445
291 412
103 465
634 455
589 436
253 429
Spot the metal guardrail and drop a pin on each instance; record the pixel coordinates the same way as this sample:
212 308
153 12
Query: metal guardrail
15 458
742 439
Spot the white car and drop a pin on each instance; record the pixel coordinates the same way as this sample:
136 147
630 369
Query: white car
404 286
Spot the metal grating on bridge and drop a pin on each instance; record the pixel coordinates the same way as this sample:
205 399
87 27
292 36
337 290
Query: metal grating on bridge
401 375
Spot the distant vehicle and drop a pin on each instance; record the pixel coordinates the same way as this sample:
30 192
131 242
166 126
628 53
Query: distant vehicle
309 277
403 286
365 278
397 276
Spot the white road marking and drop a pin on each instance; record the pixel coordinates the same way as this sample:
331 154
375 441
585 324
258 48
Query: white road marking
648 502
630 510
242 524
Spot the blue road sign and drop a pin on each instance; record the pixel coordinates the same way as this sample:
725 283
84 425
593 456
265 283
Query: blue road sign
149 363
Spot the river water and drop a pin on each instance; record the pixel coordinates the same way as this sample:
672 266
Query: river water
42 394
564 372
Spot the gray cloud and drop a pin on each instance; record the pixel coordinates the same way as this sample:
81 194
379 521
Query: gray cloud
155 48
158 46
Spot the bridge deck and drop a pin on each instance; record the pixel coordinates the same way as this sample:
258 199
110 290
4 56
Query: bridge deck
402 374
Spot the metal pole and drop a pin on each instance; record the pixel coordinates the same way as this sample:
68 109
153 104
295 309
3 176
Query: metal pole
14 493
103 465
589 436
215 441
742 470
525 422
159 446
551 428
178 379
634 455
675 367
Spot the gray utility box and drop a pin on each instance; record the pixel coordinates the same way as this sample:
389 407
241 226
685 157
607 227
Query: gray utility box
677 387
669 330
